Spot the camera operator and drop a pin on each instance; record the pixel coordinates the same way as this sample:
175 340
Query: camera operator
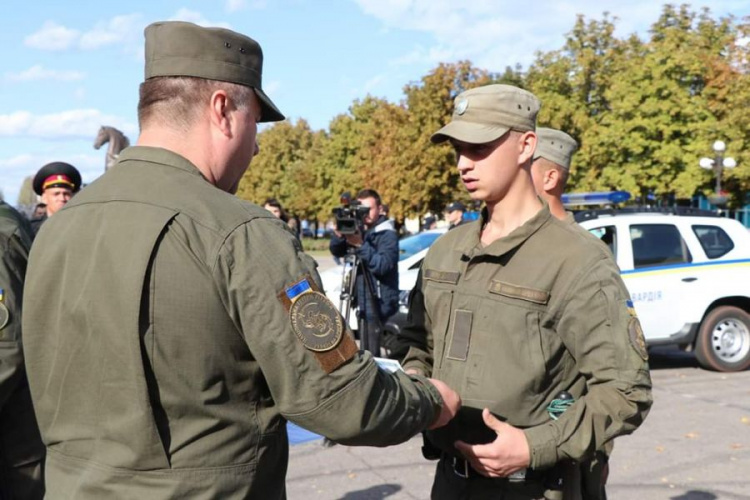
377 250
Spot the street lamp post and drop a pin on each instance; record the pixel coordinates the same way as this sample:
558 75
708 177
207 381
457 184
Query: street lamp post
718 163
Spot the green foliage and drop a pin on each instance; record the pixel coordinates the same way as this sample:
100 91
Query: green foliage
643 111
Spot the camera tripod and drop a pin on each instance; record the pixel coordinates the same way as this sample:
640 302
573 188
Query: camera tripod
368 315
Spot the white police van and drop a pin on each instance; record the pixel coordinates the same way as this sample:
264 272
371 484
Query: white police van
688 273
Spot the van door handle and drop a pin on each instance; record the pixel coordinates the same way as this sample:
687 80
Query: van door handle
690 279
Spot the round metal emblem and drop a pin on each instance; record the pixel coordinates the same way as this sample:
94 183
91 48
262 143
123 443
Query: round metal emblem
4 315
461 106
316 322
637 340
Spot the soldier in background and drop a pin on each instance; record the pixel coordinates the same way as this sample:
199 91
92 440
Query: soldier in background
55 183
551 167
454 214
172 328
21 448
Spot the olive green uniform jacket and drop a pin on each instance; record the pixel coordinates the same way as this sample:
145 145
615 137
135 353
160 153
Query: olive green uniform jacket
21 448
512 324
162 363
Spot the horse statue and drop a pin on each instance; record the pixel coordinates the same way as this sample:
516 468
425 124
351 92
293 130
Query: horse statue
117 142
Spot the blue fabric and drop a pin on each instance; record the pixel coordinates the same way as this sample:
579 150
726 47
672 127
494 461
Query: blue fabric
298 435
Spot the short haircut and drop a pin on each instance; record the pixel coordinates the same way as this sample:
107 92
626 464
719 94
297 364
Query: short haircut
369 193
175 101
546 164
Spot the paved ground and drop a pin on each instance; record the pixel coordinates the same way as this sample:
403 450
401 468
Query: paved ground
695 445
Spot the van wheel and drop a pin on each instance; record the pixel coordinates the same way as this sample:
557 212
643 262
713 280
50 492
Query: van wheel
723 342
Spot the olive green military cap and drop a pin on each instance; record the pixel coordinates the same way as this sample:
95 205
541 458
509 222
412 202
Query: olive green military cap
483 114
176 48
555 146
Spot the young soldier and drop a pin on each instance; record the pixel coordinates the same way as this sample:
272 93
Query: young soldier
516 308
171 329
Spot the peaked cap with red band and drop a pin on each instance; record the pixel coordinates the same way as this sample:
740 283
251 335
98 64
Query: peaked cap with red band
57 174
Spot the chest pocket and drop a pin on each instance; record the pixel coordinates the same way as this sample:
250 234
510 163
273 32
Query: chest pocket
509 349
439 288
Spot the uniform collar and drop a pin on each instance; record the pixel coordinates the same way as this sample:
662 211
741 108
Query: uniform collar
159 155
470 245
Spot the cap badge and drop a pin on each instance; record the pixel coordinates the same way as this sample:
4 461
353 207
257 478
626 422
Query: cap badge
461 106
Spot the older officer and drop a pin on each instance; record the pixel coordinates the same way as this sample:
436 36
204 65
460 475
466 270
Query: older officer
173 328
21 448
511 324
55 183
550 169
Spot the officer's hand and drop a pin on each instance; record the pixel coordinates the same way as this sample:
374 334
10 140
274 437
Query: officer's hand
354 240
508 453
451 404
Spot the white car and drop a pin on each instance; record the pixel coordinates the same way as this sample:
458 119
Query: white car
689 280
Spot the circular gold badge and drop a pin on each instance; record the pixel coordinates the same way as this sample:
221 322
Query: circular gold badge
316 322
637 340
4 315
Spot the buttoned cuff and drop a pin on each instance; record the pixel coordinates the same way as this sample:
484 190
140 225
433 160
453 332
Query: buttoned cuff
542 441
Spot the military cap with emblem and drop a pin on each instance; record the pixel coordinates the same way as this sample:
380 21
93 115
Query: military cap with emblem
57 174
176 48
555 146
484 114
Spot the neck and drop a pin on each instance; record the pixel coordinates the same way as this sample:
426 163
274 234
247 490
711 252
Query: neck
556 207
191 145
511 212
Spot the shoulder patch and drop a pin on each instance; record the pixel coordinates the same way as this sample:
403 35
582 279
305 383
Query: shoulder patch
4 316
317 323
637 340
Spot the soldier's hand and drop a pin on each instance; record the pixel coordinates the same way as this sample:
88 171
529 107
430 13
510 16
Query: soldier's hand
508 453
451 404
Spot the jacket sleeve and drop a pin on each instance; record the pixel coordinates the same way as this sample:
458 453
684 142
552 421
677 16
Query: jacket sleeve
379 252
417 334
601 331
12 269
337 245
356 403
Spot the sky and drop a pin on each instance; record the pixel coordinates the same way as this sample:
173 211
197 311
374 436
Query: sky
70 67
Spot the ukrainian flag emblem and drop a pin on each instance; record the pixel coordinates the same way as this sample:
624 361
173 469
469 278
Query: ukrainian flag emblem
631 308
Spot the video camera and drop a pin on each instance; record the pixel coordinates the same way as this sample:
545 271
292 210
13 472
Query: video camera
350 215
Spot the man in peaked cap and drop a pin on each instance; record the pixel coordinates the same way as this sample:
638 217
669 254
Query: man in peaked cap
520 312
551 167
454 214
172 329
55 183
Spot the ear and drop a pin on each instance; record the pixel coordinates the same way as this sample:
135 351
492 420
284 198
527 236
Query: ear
527 146
551 179
219 112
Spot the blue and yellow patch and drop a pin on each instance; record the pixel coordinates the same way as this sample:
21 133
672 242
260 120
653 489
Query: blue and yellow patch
631 308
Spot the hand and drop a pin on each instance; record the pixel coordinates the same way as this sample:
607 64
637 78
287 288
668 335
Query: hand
354 240
451 403
508 453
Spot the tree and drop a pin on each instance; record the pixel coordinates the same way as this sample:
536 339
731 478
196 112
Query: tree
274 172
